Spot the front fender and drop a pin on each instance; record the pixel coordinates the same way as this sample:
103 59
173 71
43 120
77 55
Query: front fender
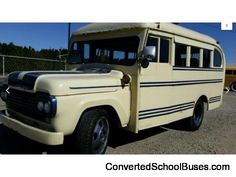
71 108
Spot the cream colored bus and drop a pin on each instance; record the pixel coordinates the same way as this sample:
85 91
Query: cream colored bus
133 76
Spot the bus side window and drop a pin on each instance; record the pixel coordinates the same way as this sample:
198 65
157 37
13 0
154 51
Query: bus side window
217 59
206 58
153 42
195 57
86 52
180 55
164 50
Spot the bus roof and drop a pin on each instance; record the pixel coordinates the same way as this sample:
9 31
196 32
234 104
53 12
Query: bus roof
167 27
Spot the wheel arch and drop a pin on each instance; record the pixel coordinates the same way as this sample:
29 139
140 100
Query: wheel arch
205 99
112 113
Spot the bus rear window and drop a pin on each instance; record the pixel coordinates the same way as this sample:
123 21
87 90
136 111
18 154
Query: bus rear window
217 59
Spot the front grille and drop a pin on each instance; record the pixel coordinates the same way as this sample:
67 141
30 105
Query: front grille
25 103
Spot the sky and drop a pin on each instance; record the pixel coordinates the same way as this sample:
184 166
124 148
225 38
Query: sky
55 35
37 35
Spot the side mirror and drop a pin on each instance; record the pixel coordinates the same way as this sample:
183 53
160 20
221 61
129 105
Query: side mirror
149 52
144 63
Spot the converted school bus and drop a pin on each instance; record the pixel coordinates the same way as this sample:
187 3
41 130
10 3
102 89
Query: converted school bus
135 76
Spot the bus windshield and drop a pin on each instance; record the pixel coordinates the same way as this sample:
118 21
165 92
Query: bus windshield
121 51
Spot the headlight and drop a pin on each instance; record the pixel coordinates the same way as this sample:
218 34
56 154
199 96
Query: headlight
47 107
40 106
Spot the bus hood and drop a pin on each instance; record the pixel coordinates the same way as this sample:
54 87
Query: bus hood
66 82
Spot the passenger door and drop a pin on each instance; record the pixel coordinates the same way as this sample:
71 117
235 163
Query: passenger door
154 92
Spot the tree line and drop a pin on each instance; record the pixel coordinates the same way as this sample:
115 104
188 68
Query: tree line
12 49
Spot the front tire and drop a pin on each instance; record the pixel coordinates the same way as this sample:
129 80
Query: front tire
92 133
196 120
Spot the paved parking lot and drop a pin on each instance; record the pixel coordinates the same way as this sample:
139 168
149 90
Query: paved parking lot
216 136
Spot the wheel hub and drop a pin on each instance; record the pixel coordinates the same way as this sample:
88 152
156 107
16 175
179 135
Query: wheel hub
100 135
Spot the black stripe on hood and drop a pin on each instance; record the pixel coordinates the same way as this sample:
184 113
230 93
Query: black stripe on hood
29 79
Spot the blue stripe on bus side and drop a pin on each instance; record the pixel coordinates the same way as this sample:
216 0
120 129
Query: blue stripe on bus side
165 113
179 83
197 69
215 99
149 113
168 107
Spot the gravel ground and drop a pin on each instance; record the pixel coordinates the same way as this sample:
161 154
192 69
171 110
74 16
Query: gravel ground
216 136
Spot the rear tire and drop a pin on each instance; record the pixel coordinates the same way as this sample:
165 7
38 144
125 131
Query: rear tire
196 120
233 87
92 133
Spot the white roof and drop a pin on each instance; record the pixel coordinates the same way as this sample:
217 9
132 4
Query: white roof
105 27
167 27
